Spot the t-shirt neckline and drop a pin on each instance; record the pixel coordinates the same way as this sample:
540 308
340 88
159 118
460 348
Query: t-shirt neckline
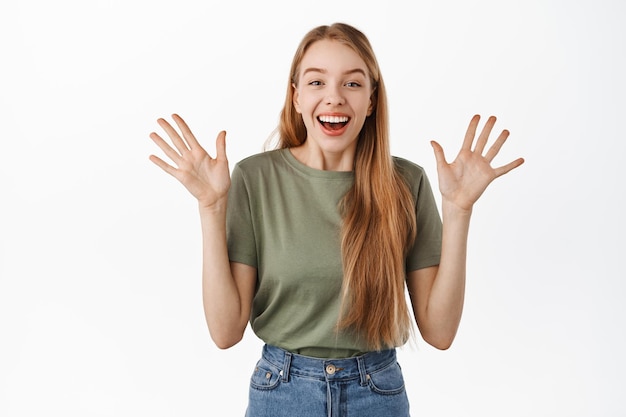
319 173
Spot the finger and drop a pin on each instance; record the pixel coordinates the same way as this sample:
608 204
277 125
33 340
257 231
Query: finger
171 153
484 135
471 132
220 146
508 167
497 145
163 165
189 137
174 136
440 156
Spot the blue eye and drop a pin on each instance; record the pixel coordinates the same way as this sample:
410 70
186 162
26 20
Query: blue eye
315 83
353 84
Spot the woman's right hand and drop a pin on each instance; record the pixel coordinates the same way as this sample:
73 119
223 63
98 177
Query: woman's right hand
206 178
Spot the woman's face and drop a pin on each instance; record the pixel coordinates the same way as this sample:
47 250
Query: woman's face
333 95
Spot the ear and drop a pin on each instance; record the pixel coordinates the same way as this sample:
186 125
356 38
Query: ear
373 96
296 96
370 108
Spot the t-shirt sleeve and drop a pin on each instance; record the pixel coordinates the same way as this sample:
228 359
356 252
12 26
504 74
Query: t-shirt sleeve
426 250
239 222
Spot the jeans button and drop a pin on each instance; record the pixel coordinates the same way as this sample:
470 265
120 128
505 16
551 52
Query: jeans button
330 369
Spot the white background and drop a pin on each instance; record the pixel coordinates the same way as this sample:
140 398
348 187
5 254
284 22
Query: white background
100 305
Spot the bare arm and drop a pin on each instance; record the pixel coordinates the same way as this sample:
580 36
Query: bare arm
437 293
227 288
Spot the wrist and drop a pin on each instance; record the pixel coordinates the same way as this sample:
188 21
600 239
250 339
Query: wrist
215 208
451 208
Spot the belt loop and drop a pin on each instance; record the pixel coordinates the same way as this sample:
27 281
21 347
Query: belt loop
362 371
286 367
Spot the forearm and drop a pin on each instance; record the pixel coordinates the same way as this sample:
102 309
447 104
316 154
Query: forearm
447 295
223 310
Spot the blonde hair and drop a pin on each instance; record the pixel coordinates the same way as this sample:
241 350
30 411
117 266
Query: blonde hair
378 212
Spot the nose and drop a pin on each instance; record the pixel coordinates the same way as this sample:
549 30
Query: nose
334 96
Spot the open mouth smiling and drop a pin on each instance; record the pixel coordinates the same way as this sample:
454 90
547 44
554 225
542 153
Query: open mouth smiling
333 122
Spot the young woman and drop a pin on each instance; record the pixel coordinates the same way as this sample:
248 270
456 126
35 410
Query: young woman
314 243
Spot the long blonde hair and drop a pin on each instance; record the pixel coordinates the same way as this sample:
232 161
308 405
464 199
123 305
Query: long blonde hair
378 211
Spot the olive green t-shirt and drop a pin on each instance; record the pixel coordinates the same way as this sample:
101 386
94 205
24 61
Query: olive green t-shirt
283 219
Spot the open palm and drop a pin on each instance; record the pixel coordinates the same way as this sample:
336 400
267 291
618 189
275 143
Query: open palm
206 178
464 180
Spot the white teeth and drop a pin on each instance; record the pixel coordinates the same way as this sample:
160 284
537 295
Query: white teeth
333 119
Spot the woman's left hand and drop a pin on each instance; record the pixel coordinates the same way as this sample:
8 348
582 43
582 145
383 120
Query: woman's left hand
464 180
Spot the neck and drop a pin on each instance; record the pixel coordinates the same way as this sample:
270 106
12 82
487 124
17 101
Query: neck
317 158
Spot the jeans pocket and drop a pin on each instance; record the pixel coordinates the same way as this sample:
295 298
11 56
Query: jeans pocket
387 381
265 376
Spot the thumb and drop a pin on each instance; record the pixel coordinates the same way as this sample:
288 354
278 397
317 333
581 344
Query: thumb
439 154
220 146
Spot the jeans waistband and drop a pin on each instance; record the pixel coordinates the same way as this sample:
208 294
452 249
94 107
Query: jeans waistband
342 369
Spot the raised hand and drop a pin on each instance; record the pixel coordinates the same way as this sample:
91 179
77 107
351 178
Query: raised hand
464 180
206 178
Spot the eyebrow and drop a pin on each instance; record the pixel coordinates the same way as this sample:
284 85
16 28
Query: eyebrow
323 71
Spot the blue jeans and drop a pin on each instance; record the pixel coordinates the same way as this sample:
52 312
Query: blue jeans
284 384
